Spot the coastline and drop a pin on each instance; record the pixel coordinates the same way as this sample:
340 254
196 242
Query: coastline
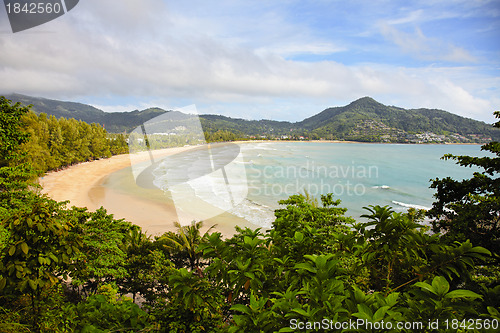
91 185
109 183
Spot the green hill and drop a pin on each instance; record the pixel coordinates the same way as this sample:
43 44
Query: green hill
114 122
362 120
368 120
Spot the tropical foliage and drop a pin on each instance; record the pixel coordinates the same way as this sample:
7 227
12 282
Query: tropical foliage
470 208
56 143
70 270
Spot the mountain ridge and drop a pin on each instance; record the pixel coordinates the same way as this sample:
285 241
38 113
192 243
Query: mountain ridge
364 119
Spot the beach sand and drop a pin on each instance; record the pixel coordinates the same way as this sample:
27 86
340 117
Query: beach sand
95 184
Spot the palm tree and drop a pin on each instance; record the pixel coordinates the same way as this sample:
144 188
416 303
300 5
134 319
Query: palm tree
185 242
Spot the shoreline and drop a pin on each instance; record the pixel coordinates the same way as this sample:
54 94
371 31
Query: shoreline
90 185
83 186
98 183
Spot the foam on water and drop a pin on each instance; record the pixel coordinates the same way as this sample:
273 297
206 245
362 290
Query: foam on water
407 205
256 213
278 167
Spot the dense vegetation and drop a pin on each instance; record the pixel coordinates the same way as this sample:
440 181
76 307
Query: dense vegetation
361 120
114 122
56 143
343 122
67 269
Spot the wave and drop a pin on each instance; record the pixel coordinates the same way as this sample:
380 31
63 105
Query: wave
384 187
254 212
264 146
406 205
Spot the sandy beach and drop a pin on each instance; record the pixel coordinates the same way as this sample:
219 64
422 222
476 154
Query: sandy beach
90 185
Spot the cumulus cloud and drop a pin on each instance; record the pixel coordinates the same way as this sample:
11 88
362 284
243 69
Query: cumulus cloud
153 52
416 44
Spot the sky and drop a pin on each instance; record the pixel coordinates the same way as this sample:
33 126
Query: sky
281 60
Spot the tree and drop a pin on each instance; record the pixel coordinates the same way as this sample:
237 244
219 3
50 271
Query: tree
470 209
193 304
105 312
147 267
14 178
39 253
411 274
184 245
305 227
11 136
103 252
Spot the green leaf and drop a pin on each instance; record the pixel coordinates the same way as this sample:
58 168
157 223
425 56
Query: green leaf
440 285
364 309
392 299
380 313
3 282
482 250
299 237
23 285
12 250
306 266
24 248
241 308
301 312
362 315
359 296
53 257
426 286
493 312
462 293
32 284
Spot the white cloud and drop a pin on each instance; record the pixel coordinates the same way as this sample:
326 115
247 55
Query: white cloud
431 49
286 50
412 17
226 62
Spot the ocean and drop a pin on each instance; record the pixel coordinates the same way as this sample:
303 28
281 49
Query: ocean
247 180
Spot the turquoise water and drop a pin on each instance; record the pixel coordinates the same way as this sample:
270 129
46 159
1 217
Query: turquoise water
358 174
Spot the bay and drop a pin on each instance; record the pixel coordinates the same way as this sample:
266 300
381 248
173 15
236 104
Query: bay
358 174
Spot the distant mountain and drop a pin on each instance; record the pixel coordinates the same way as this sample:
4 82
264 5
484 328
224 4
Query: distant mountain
362 120
114 122
87 113
368 120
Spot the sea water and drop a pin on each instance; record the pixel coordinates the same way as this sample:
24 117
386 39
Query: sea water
359 175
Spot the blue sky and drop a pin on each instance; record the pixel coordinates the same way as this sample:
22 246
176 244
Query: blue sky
283 60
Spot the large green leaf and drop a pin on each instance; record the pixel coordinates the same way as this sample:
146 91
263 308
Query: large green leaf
241 308
24 247
462 293
426 286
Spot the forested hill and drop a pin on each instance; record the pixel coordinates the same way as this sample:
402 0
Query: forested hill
114 122
362 120
368 120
